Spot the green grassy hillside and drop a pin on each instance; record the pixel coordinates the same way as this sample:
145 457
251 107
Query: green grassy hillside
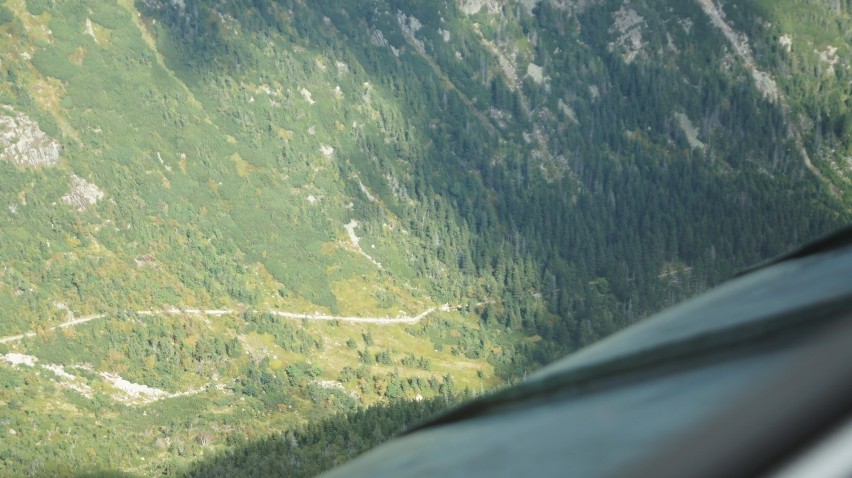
260 214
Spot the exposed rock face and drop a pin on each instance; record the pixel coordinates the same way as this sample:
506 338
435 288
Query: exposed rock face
690 131
574 6
409 26
536 73
83 193
307 95
327 151
628 27
23 143
377 38
763 81
471 7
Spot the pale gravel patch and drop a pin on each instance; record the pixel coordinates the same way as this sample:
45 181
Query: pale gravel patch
355 240
59 371
366 192
690 131
90 29
307 96
83 194
329 384
786 41
20 359
132 391
536 73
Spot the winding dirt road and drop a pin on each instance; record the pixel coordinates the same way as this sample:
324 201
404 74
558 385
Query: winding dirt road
400 319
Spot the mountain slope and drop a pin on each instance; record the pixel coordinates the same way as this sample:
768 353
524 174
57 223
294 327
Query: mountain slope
548 172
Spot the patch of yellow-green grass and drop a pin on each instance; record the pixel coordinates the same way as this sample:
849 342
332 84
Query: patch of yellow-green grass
800 20
259 279
144 28
242 166
99 33
260 346
59 404
355 296
78 56
292 303
361 290
284 134
335 355
35 26
213 185
16 51
395 338
47 93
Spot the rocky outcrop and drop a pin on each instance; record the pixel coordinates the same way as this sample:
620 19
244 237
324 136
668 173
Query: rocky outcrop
409 26
690 131
377 38
83 194
763 81
472 7
536 73
23 143
573 6
627 27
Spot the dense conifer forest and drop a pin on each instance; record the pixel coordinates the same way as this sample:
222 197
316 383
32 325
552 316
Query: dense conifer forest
261 237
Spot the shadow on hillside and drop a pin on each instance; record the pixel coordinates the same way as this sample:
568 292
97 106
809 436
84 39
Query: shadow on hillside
321 445
314 448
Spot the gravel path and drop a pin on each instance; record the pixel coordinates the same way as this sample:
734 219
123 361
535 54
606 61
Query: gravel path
400 319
